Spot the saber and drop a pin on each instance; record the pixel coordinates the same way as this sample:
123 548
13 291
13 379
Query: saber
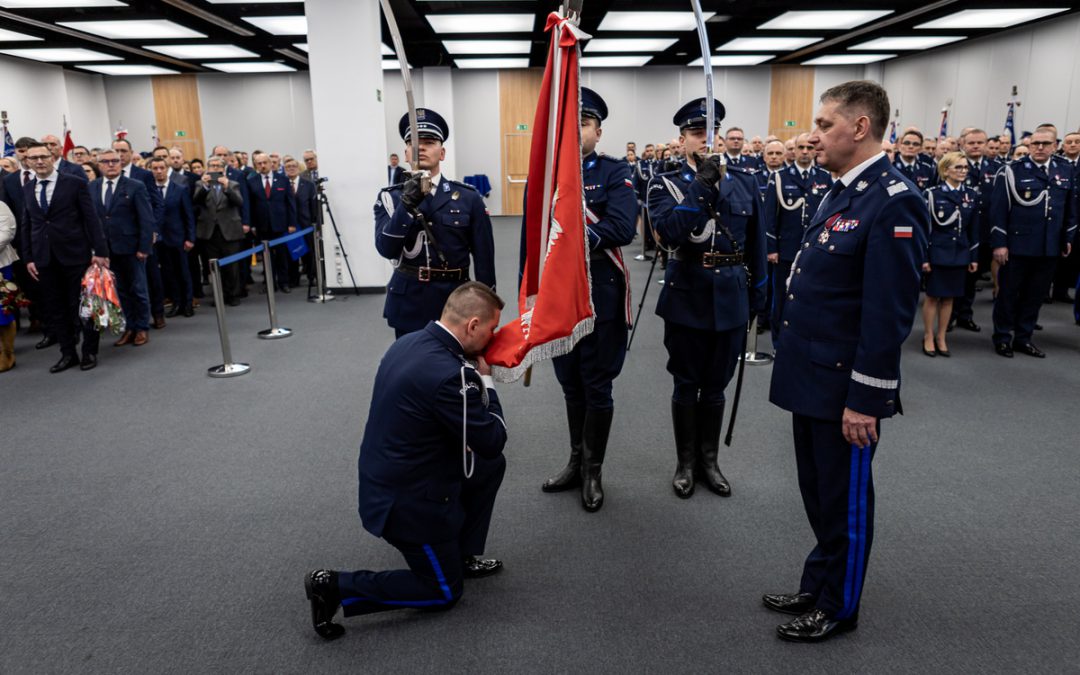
399 49
706 61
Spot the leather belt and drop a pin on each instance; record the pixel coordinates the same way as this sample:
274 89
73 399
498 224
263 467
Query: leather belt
434 273
708 258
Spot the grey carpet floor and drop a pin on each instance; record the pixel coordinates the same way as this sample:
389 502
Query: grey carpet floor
156 520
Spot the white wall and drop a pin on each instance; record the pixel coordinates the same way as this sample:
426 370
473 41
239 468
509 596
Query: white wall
267 111
38 95
476 136
88 112
131 106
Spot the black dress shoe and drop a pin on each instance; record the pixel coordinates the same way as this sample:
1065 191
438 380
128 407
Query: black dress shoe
88 362
322 593
1003 349
285 289
968 324
188 312
929 352
1029 349
475 568
45 342
814 626
789 603
64 363
172 312
1038 326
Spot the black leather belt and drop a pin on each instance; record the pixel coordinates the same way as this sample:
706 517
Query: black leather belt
708 258
434 273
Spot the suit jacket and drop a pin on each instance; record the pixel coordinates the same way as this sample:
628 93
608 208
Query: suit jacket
71 168
178 224
128 219
241 180
13 197
69 233
219 207
305 203
410 465
273 214
147 179
395 174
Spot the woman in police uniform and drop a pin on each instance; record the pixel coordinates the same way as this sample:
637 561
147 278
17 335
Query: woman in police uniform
953 248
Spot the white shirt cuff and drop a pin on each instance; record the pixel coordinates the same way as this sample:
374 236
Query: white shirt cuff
488 381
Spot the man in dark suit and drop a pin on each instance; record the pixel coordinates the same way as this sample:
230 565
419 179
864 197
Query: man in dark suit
424 488
61 236
219 225
153 269
394 173
177 236
311 165
273 213
14 183
303 191
62 165
245 210
123 205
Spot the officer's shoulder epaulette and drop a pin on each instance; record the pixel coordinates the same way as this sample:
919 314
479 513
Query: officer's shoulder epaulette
741 169
674 172
895 184
611 160
457 183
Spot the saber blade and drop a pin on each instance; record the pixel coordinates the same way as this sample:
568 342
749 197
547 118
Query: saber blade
399 49
706 61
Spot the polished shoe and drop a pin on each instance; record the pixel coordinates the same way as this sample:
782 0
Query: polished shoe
929 352
789 603
684 419
322 593
968 324
45 342
159 322
188 312
476 568
232 302
286 289
710 420
125 339
570 476
64 363
940 352
141 338
594 447
1029 349
814 626
173 311
1038 326
1003 349
88 362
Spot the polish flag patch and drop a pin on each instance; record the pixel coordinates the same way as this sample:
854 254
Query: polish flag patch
902 232
628 183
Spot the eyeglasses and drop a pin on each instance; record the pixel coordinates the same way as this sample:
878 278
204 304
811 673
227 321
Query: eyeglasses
915 143
108 161
38 158
1040 144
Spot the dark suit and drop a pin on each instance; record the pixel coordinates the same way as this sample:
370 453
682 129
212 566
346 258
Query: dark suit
177 226
305 209
395 174
70 169
412 488
60 241
272 213
219 228
129 225
155 285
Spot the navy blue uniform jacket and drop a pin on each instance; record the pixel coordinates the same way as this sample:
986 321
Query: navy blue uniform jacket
178 222
921 171
954 239
277 214
790 203
1041 229
611 222
70 229
411 459
129 219
852 295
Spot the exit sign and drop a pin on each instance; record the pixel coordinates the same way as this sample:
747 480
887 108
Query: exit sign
523 127
181 134
789 123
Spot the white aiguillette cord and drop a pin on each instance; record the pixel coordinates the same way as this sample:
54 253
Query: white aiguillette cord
468 458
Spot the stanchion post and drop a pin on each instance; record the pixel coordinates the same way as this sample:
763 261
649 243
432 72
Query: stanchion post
227 368
317 256
274 332
753 356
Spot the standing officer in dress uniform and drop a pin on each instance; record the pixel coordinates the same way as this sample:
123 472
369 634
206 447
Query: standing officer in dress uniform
425 488
850 305
429 236
1033 216
587 372
707 214
981 172
791 200
912 164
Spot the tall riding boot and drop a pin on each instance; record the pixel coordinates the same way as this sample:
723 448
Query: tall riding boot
7 347
710 420
684 418
570 477
597 429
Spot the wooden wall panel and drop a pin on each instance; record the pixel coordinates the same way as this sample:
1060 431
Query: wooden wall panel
176 105
792 99
519 91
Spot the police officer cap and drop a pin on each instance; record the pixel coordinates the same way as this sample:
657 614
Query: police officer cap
692 115
430 123
592 105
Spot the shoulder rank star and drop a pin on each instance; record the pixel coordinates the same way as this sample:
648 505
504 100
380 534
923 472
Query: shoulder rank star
861 185
824 236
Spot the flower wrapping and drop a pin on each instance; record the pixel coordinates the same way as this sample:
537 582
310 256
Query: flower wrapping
99 303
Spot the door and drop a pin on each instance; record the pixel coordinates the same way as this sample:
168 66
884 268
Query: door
518 94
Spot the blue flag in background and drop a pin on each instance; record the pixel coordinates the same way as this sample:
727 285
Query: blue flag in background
1010 126
9 144
892 132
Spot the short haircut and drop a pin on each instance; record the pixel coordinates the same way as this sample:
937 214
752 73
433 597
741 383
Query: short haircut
472 299
1072 133
81 147
777 141
34 143
730 129
25 142
124 141
866 98
159 160
970 131
107 151
1047 127
948 161
160 147
393 154
913 132
214 159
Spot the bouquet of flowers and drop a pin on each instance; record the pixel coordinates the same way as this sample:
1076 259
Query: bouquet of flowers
99 303
11 298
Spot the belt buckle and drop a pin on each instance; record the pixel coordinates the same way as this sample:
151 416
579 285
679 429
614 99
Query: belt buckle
423 273
708 259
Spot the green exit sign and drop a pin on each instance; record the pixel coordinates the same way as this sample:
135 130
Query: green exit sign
181 134
789 123
523 127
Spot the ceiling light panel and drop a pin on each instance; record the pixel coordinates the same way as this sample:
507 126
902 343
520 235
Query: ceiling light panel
609 45
728 60
481 23
614 61
280 25
384 50
251 67
847 59
249 2
392 64
491 63
487 46
990 18
651 21
926 42
767 44
12 36
128 69
58 4
201 51
60 54
823 20
148 29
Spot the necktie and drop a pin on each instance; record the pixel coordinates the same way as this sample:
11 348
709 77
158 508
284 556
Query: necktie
836 189
161 191
25 177
804 175
293 183
44 200
108 193
268 187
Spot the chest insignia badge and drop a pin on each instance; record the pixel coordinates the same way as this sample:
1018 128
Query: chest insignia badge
824 236
455 195
861 185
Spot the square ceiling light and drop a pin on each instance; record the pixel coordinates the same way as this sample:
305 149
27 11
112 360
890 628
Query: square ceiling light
481 23
280 25
847 59
137 29
392 64
201 51
251 67
630 45
728 60
60 54
248 2
824 20
990 18
917 42
614 61
129 69
487 46
58 4
491 63
12 36
768 44
383 49
648 21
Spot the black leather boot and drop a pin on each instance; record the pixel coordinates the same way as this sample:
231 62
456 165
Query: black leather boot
684 418
597 429
710 421
570 477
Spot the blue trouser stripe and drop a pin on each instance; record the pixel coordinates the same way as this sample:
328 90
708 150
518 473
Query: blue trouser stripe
864 487
853 524
395 603
858 490
438 572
